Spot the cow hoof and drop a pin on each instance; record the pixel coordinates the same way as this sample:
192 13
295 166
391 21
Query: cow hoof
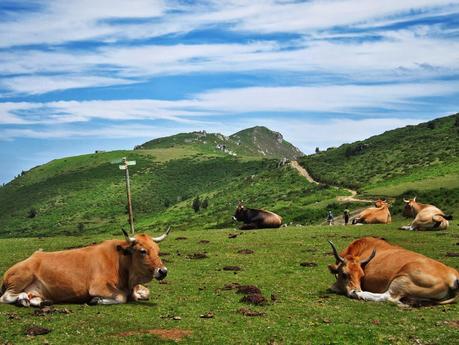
95 301
46 303
23 302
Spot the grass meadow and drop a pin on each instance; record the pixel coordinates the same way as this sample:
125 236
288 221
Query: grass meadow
299 309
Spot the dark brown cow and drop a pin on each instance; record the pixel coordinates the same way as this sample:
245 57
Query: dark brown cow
426 217
373 270
256 218
105 273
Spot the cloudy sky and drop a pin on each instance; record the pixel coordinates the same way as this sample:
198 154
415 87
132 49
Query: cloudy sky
81 75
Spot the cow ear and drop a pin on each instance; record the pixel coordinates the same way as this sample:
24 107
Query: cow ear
333 269
125 250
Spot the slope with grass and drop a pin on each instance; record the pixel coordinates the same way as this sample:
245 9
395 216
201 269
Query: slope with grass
409 161
86 194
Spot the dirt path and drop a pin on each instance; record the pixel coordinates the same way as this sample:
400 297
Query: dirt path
342 198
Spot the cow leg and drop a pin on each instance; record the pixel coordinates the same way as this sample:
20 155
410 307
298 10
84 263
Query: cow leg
23 300
107 295
140 293
248 226
407 227
374 297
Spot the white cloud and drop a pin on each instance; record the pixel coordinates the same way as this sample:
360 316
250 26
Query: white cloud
326 99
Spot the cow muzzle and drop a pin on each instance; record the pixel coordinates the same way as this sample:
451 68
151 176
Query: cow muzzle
160 273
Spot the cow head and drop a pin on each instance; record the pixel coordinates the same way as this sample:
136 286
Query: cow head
349 271
145 263
241 212
410 208
381 203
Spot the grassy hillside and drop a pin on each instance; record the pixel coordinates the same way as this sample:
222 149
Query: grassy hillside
413 159
86 194
254 142
302 312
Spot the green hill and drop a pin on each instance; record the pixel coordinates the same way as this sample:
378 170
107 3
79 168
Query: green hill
253 142
86 194
418 160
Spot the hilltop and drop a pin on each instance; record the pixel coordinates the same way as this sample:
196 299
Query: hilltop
257 141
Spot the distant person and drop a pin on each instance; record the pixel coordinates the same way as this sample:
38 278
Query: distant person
346 216
330 218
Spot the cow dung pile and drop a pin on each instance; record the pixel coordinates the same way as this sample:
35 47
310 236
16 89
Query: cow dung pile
36 330
248 289
255 299
197 256
245 251
308 264
232 268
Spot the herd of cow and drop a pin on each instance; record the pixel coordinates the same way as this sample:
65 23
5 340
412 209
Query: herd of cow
112 272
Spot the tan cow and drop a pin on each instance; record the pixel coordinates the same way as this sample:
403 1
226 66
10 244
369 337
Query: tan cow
371 269
105 273
379 214
426 217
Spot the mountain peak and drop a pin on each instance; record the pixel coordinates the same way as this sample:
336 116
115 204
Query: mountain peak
258 141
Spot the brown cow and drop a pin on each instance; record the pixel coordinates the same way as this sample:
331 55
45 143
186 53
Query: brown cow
373 270
426 217
105 273
256 218
379 214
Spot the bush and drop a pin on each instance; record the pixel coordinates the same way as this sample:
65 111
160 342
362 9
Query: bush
196 204
32 213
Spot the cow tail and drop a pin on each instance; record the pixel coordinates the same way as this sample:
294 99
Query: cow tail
2 289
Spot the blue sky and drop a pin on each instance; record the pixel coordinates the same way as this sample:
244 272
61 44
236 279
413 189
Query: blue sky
85 75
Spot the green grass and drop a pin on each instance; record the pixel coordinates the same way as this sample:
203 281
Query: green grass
304 312
403 155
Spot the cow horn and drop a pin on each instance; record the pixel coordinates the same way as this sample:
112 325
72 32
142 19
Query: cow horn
130 240
335 253
367 260
414 199
162 237
405 201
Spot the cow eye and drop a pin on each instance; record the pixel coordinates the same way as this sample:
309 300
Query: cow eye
143 252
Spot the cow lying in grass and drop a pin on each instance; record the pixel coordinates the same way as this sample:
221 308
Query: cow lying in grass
256 218
426 217
373 270
379 214
105 273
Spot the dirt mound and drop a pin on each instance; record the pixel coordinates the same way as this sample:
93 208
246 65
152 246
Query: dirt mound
196 256
245 251
232 268
36 330
248 289
255 299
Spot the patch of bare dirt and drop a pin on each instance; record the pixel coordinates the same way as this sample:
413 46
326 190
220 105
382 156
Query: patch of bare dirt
245 251
197 256
255 299
232 268
204 241
308 264
33 331
175 334
249 312
248 289
50 310
181 238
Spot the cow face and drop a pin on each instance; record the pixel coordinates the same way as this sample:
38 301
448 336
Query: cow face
241 213
348 271
409 210
146 263
381 203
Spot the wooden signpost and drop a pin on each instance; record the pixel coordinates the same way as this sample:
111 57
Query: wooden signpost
124 166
